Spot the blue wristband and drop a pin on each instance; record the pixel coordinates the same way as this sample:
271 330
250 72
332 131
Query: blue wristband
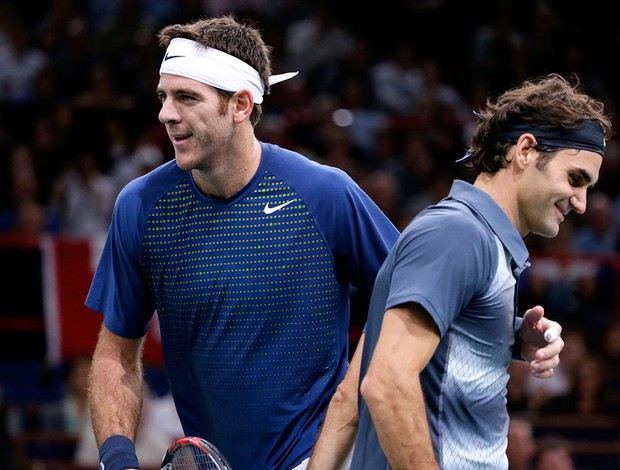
118 453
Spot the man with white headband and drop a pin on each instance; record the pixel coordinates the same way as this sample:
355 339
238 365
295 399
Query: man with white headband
246 251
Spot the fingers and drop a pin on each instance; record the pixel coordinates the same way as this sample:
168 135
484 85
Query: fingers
544 369
540 365
543 374
534 314
552 350
546 359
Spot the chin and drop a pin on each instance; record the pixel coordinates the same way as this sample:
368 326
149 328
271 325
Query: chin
548 232
184 163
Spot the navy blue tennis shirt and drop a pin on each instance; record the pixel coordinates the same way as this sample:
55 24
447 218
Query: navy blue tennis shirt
252 296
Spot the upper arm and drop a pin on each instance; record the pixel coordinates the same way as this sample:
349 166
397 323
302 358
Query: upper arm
358 234
119 289
441 261
408 333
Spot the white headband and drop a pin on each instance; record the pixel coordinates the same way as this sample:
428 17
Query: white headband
190 59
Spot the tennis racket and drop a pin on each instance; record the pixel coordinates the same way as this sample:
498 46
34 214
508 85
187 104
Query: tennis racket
193 453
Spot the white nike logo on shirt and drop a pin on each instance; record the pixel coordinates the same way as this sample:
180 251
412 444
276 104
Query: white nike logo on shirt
271 210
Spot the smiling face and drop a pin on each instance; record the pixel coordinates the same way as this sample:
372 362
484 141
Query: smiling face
197 121
546 194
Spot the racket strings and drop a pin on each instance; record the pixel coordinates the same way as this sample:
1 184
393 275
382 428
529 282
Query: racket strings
192 458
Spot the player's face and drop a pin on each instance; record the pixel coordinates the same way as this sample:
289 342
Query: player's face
550 193
197 122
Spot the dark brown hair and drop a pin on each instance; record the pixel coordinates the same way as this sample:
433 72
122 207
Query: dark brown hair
551 102
226 34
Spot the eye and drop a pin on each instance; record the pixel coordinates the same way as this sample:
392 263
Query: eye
161 96
573 180
578 180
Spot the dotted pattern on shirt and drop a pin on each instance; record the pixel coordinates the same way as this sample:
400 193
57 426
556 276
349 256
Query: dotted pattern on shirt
246 300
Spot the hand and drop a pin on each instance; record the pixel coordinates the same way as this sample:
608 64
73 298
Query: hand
542 356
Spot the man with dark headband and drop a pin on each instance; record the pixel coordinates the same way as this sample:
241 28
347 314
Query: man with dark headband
443 325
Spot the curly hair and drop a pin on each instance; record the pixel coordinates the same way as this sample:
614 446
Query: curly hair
548 102
228 35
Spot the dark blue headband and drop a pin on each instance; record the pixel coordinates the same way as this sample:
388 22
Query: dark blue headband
589 136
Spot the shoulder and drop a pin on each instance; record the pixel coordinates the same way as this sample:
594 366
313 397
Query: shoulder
303 173
451 228
454 221
147 189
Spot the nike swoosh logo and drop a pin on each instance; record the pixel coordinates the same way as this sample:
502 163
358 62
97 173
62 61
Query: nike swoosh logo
168 57
271 210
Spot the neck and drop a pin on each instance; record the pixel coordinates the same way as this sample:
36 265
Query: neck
234 170
501 187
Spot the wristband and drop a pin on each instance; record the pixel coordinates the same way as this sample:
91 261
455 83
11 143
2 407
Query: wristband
516 349
118 453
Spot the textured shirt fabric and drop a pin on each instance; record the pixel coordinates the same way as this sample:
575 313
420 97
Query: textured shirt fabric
251 293
459 259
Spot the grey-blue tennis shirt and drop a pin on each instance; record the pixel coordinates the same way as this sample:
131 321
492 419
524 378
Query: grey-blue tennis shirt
460 259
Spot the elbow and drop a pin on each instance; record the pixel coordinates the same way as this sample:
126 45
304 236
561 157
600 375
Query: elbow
374 391
345 398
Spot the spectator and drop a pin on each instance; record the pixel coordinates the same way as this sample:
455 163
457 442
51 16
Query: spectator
554 453
316 41
20 64
398 80
521 445
417 163
517 397
84 198
68 414
610 357
103 93
159 427
497 45
145 157
587 396
597 233
382 187
541 392
25 212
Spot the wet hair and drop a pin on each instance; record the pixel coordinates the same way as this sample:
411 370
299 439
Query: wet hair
550 102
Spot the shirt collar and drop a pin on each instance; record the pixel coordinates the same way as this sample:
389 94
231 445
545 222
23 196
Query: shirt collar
484 206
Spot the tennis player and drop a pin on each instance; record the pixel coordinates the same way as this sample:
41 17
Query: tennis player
247 252
444 302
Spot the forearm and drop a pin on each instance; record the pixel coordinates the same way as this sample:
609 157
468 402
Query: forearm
392 389
337 435
116 382
404 433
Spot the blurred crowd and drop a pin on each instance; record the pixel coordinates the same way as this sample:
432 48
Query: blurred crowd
388 96
384 92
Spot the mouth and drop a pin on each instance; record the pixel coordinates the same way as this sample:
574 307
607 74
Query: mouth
561 212
179 138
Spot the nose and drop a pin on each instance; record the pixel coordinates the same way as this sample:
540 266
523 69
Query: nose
168 113
578 200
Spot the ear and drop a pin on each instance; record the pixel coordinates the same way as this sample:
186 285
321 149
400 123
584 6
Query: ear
525 153
243 103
